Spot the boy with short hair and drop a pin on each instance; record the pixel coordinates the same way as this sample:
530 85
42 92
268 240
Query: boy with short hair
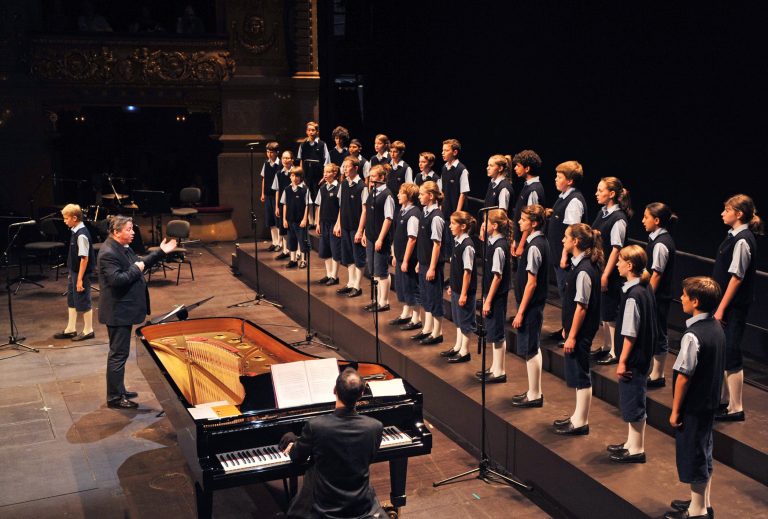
381 146
81 261
295 202
356 150
526 166
453 183
268 171
401 171
378 211
339 152
426 162
281 181
349 226
313 156
697 377
327 203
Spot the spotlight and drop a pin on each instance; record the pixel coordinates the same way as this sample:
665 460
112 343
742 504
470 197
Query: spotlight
131 108
181 118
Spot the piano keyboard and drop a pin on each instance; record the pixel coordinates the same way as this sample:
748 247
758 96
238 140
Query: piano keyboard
270 456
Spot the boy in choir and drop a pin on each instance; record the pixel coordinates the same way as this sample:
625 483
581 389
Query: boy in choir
697 377
401 171
404 254
296 202
350 224
268 171
453 182
426 162
355 150
281 181
378 211
327 203
313 156
381 146
526 166
339 152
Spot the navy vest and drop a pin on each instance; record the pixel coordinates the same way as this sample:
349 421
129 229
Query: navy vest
315 154
604 225
457 269
74 259
269 176
746 292
375 160
337 157
420 179
522 202
352 205
492 194
295 203
451 182
664 290
283 180
502 244
374 217
556 227
424 240
329 203
703 394
592 319
395 179
542 277
647 332
400 241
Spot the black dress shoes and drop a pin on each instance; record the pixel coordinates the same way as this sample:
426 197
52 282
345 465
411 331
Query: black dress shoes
652 383
400 320
430 340
460 358
292 264
450 352
680 504
683 514
419 336
122 403
568 429
725 416
556 334
64 335
345 290
331 282
625 457
598 352
608 360
411 326
479 374
377 308
130 394
323 280
525 402
561 422
520 396
282 256
683 504
83 337
355 292
491 379
616 447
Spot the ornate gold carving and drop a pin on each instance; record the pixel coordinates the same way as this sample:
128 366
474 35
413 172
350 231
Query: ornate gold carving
255 35
131 65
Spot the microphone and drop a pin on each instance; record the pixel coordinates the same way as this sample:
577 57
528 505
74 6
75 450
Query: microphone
253 144
19 224
488 208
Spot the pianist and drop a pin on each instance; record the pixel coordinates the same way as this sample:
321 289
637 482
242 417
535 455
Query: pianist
341 446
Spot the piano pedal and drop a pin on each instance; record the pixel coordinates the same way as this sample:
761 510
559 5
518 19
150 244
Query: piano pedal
393 512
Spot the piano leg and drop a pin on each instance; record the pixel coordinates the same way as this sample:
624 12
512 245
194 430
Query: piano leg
204 500
398 473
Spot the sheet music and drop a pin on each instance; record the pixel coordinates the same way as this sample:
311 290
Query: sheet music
393 387
304 382
322 375
205 411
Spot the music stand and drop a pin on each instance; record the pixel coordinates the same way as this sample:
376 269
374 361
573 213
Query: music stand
155 203
13 341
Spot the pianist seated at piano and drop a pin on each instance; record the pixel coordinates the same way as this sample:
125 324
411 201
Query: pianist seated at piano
341 447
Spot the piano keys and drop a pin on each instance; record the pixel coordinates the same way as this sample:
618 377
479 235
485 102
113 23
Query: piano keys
199 361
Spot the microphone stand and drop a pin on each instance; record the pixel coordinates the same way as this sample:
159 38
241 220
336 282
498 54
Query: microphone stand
258 297
374 281
484 470
13 340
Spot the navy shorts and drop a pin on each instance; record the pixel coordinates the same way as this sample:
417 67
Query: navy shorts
662 311
378 260
463 316
431 292
577 370
494 321
693 448
330 245
80 301
735 321
527 339
283 230
610 300
406 286
297 236
269 210
632 396
351 252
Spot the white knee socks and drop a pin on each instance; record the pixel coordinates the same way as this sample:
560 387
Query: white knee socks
384 290
464 349
437 327
88 318
735 383
698 504
533 366
658 366
636 437
72 321
427 323
275 234
583 402
499 349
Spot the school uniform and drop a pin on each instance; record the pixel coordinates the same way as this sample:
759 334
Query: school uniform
499 193
431 229
281 180
337 157
702 359
406 283
569 208
350 210
374 161
295 199
379 206
612 224
268 172
497 262
582 286
313 156
400 174
421 177
531 193
535 259
453 182
463 260
661 255
328 201
80 246
736 257
637 318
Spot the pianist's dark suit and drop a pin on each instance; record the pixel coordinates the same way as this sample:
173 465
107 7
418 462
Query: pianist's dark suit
123 302
342 445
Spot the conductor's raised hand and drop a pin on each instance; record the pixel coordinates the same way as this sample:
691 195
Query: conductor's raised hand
168 246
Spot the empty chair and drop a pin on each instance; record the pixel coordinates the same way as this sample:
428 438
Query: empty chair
178 229
53 244
188 197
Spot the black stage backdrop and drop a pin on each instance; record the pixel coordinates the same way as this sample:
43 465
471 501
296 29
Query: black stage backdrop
670 97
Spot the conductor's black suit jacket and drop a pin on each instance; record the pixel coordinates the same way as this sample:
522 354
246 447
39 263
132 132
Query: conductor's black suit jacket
341 445
124 297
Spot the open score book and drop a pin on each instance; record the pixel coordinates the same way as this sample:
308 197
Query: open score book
305 382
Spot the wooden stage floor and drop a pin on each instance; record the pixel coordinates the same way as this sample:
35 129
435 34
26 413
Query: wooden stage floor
67 455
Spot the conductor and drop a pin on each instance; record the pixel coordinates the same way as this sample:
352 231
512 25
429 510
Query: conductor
124 301
341 446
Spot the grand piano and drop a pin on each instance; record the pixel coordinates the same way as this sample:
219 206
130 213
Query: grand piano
193 362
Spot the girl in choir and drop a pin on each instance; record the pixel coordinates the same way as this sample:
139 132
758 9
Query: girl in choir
581 320
658 220
404 254
295 201
496 283
429 245
327 203
636 335
611 221
531 285
281 181
463 285
735 272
